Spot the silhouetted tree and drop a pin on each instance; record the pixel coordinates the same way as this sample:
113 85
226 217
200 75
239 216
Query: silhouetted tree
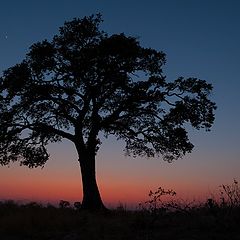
85 82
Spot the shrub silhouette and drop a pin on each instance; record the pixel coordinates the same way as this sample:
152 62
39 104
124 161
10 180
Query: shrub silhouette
230 194
77 205
64 204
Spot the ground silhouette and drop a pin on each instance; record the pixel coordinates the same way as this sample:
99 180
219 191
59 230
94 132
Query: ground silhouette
214 218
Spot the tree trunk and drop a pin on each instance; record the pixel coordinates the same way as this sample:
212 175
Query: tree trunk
91 196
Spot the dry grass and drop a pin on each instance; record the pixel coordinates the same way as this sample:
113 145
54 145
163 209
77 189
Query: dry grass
155 219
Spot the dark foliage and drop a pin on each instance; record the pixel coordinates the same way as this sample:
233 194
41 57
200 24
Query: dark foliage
84 82
64 204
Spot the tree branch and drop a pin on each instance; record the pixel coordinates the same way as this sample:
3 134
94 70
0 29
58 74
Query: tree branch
59 132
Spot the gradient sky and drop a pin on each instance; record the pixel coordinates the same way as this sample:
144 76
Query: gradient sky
201 39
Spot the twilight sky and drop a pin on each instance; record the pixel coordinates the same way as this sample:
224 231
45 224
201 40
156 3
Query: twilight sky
201 39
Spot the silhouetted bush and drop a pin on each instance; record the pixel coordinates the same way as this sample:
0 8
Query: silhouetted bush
230 194
77 205
33 205
64 204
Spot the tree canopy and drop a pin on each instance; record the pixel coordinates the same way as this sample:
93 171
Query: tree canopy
84 82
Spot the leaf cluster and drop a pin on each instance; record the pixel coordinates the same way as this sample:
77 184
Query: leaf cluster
84 82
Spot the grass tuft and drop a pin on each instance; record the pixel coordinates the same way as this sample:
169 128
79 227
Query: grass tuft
156 218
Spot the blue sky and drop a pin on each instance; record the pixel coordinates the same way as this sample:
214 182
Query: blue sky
201 39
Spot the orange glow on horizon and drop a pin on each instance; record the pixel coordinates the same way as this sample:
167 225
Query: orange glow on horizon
123 181
113 193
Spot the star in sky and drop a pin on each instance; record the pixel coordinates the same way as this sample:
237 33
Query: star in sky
5 36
